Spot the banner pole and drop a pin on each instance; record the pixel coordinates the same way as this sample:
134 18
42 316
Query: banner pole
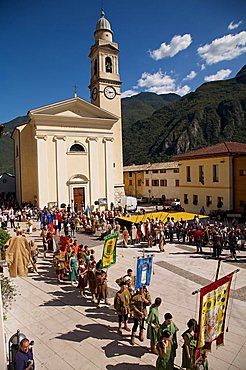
218 269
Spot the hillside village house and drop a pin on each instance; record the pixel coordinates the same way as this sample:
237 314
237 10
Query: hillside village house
213 177
152 180
71 151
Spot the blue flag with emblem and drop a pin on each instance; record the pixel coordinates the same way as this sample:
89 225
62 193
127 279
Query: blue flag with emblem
144 269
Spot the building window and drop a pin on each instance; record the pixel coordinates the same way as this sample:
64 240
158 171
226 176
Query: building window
146 172
176 170
155 171
130 182
75 148
95 67
147 182
188 177
176 182
195 200
215 173
208 200
220 202
163 171
242 172
186 201
155 182
108 64
17 151
201 174
130 174
163 182
139 182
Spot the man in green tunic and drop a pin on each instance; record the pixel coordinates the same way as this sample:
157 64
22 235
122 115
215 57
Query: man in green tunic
140 300
153 325
122 306
169 325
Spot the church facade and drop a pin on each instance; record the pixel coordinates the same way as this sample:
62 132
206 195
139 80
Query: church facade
71 152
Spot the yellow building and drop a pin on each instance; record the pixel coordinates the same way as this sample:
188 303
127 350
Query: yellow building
71 151
152 180
213 177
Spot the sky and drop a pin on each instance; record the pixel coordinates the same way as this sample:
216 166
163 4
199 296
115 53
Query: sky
165 47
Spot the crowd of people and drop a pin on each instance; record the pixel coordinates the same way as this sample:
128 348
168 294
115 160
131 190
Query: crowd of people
76 263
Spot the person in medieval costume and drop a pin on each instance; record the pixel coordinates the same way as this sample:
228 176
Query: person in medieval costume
139 301
18 255
169 325
153 325
122 306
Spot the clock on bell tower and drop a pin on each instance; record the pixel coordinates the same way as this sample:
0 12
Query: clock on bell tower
105 79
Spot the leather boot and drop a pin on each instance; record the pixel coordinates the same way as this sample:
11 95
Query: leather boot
120 329
141 335
132 341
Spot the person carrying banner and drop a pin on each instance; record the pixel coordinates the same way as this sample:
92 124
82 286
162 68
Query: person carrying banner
122 306
153 325
169 325
189 346
163 349
139 301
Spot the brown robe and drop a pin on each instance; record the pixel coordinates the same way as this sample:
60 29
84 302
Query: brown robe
18 256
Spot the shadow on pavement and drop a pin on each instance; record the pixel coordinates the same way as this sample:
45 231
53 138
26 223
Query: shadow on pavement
117 348
105 313
126 366
97 331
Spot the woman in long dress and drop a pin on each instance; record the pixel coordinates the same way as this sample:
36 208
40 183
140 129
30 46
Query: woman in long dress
73 268
82 271
189 346
164 352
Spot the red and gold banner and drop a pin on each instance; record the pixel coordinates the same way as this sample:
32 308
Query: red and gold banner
213 304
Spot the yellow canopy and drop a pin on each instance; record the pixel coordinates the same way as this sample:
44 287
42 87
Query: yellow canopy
162 216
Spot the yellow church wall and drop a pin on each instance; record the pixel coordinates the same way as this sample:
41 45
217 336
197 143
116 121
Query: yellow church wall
28 164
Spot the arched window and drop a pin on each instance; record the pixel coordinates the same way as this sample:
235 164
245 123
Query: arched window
95 67
108 64
77 148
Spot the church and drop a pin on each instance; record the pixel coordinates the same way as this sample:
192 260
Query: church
70 152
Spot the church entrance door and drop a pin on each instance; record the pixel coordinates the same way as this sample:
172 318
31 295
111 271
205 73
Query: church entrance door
79 197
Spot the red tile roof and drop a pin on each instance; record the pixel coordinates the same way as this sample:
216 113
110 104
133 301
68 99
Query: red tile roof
226 148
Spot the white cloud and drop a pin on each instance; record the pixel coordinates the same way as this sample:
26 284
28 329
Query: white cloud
203 67
225 48
233 25
220 75
177 44
129 93
191 75
161 83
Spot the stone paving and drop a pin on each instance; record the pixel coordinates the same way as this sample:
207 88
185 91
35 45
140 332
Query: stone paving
71 333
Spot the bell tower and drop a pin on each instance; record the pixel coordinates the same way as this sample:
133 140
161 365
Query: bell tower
105 92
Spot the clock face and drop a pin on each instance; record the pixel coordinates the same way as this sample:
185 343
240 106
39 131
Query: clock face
94 93
109 92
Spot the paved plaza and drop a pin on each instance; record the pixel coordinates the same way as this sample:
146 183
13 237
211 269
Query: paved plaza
71 333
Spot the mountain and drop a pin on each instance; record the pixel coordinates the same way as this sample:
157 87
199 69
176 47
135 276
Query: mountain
140 106
7 145
214 113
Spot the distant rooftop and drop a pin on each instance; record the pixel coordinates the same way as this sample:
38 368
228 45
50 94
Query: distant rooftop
150 166
225 148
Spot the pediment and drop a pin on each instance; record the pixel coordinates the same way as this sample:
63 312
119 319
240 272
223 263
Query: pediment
73 108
